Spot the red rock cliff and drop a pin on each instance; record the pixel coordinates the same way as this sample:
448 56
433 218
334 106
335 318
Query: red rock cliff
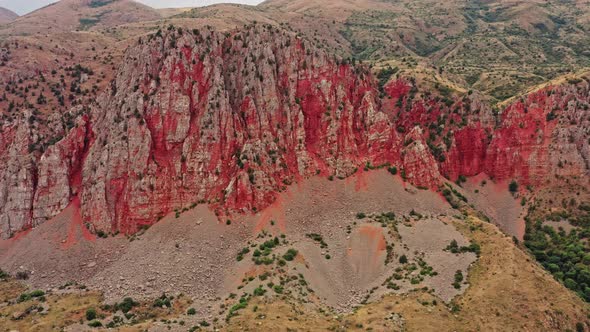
231 119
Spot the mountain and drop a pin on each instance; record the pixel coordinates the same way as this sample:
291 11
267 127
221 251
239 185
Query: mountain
500 48
295 162
71 15
7 15
206 124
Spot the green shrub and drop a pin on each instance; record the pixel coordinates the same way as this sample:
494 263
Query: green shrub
163 301
513 186
290 254
37 293
278 289
95 323
91 314
389 215
24 297
191 311
458 279
259 291
392 170
126 305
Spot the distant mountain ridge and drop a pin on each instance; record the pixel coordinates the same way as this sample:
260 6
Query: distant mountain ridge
80 15
7 15
498 47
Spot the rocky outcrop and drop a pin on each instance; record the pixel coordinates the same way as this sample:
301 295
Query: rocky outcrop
17 178
230 119
224 119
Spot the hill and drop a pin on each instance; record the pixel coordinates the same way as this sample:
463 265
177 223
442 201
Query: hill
334 158
81 15
7 15
500 48
428 135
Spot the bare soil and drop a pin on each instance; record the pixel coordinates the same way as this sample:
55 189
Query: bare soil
193 253
496 202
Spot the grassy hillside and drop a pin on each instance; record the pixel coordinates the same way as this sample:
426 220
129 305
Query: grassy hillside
498 47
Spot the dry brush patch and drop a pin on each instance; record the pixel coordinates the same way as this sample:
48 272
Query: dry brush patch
508 291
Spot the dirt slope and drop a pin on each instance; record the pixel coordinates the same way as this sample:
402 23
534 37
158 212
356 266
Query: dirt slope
196 255
7 15
507 292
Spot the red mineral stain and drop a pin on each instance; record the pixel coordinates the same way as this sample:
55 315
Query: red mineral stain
76 230
252 126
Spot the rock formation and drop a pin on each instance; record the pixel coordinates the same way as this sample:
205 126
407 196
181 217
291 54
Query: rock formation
230 119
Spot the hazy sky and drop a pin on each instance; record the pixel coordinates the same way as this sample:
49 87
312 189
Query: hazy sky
22 7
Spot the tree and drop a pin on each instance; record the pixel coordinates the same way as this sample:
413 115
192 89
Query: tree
91 314
513 187
403 259
570 283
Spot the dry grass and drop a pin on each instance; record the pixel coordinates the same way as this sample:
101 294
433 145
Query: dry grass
63 310
508 292
69 310
9 290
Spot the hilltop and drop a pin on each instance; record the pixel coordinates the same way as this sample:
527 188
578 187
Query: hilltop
80 15
499 48
7 15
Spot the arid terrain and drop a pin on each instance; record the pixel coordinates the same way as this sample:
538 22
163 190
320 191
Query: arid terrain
193 259
6 15
296 166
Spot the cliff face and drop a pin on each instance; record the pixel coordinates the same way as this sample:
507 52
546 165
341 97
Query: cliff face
231 119
226 119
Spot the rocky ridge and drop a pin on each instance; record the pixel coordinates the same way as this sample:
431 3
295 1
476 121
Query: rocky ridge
230 119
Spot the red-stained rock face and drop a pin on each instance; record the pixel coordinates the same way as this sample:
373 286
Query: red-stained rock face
232 119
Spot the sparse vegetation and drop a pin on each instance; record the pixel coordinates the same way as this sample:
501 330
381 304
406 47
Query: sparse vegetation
126 306
95 323
319 239
458 279
163 301
290 254
455 249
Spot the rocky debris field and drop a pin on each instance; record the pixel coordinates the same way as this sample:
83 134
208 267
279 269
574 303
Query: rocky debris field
329 244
